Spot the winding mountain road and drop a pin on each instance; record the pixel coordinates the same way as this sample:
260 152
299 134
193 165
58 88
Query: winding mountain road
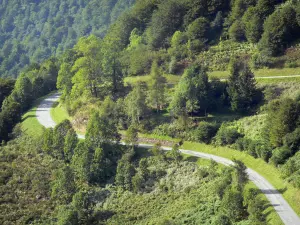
286 213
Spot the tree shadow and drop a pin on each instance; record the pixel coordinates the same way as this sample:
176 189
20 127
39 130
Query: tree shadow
273 191
27 117
191 159
102 215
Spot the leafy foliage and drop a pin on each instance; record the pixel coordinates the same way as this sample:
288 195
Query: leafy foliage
35 31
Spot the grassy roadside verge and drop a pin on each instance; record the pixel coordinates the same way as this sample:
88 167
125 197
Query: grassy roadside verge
30 125
59 113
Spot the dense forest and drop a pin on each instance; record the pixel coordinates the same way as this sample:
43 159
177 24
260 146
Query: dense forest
32 31
98 181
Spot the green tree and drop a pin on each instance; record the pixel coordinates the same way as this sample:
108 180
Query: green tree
232 205
197 32
237 31
192 92
253 24
59 134
82 205
6 87
241 89
280 29
256 207
283 118
48 140
67 215
9 117
157 151
175 153
178 47
125 172
132 136
165 21
111 48
101 130
98 166
240 176
63 185
135 104
157 86
81 162
70 144
23 91
89 78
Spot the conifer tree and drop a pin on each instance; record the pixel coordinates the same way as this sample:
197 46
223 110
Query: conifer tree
156 94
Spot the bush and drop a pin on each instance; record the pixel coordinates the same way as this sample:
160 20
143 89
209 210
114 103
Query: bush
254 147
204 132
292 140
226 135
280 155
174 130
259 61
292 65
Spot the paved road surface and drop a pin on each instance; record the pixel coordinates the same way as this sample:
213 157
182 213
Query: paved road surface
286 213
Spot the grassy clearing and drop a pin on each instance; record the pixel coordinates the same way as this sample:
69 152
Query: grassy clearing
171 79
272 174
59 113
174 79
30 125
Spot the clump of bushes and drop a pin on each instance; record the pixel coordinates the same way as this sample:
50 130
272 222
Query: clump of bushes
226 135
204 132
255 148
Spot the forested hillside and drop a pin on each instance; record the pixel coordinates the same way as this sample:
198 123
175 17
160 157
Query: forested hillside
32 31
101 78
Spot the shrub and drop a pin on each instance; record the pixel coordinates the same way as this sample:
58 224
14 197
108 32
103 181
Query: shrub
226 135
259 61
292 140
255 148
292 65
204 132
280 155
295 179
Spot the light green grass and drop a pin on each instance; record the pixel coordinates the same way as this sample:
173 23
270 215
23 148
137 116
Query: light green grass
159 137
260 73
269 172
30 125
59 113
174 79
171 79
277 72
278 80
